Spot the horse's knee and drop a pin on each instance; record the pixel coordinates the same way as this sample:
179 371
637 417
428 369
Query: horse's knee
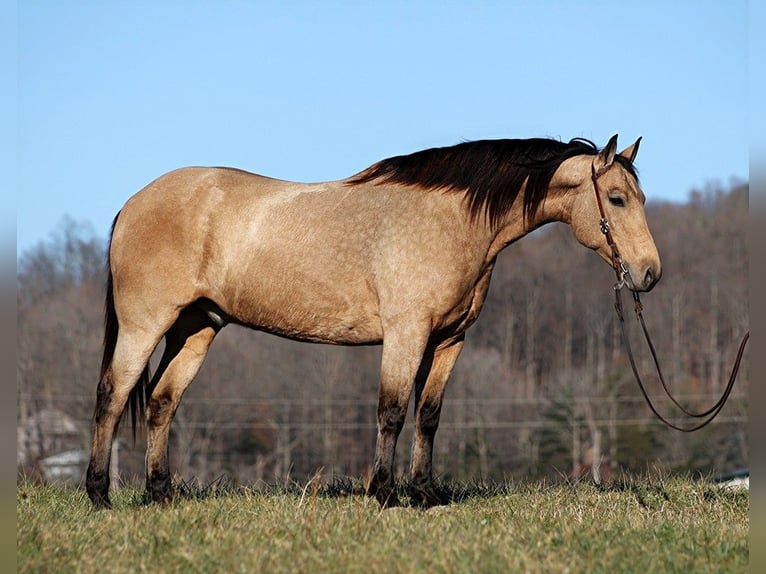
391 419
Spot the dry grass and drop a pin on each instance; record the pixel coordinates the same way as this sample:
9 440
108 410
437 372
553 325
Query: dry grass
630 525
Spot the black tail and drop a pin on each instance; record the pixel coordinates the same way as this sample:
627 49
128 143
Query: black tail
138 395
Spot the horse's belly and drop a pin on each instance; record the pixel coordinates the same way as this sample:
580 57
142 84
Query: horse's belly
321 313
324 333
315 328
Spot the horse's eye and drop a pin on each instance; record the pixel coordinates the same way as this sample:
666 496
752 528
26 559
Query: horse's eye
616 200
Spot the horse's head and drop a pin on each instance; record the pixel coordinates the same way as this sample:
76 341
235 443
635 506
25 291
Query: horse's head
612 177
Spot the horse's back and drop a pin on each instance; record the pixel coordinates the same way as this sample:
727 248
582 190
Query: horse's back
267 251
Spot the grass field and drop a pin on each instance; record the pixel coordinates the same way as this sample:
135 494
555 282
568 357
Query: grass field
646 525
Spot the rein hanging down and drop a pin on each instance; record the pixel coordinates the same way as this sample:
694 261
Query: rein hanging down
622 273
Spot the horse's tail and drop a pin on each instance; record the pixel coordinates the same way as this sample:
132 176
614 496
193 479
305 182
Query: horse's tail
138 394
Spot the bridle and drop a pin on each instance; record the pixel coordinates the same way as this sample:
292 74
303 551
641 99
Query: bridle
622 275
617 262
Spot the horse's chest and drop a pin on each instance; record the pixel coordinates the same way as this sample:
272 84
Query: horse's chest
467 310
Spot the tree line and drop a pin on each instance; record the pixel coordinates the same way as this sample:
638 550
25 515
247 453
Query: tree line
543 387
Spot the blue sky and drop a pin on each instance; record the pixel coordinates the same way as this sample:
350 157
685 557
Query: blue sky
110 95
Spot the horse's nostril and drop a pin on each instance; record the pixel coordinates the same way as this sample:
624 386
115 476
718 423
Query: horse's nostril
649 277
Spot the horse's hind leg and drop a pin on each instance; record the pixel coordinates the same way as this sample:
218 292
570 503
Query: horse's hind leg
186 344
429 392
131 356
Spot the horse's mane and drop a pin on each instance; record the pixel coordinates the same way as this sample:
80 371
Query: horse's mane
491 173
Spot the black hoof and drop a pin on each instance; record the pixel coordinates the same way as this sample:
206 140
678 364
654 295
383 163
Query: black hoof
388 499
384 493
426 496
97 487
159 488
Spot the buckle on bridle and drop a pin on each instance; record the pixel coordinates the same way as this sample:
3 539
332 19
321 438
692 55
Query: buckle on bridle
604 224
622 273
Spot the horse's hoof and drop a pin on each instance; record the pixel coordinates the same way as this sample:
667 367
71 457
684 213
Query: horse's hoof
97 487
385 495
425 497
159 488
383 490
390 500
100 502
159 496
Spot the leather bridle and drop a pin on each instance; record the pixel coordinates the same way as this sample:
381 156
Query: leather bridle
622 274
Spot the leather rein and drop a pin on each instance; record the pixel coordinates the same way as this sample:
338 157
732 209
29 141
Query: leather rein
622 274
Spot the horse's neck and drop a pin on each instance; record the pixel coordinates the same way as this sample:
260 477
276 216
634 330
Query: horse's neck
555 208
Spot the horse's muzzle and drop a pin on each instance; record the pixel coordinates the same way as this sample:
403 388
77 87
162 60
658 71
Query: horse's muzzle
649 279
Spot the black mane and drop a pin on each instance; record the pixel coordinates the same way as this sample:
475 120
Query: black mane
490 172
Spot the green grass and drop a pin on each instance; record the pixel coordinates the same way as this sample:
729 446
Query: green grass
629 525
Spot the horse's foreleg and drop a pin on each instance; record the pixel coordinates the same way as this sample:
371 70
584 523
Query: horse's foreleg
130 358
401 358
186 346
429 392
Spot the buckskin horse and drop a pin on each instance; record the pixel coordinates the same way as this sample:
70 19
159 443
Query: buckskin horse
400 254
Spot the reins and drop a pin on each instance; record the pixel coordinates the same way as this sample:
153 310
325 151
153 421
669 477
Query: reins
622 273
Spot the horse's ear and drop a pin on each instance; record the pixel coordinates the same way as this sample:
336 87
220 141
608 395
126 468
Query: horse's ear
631 151
605 157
